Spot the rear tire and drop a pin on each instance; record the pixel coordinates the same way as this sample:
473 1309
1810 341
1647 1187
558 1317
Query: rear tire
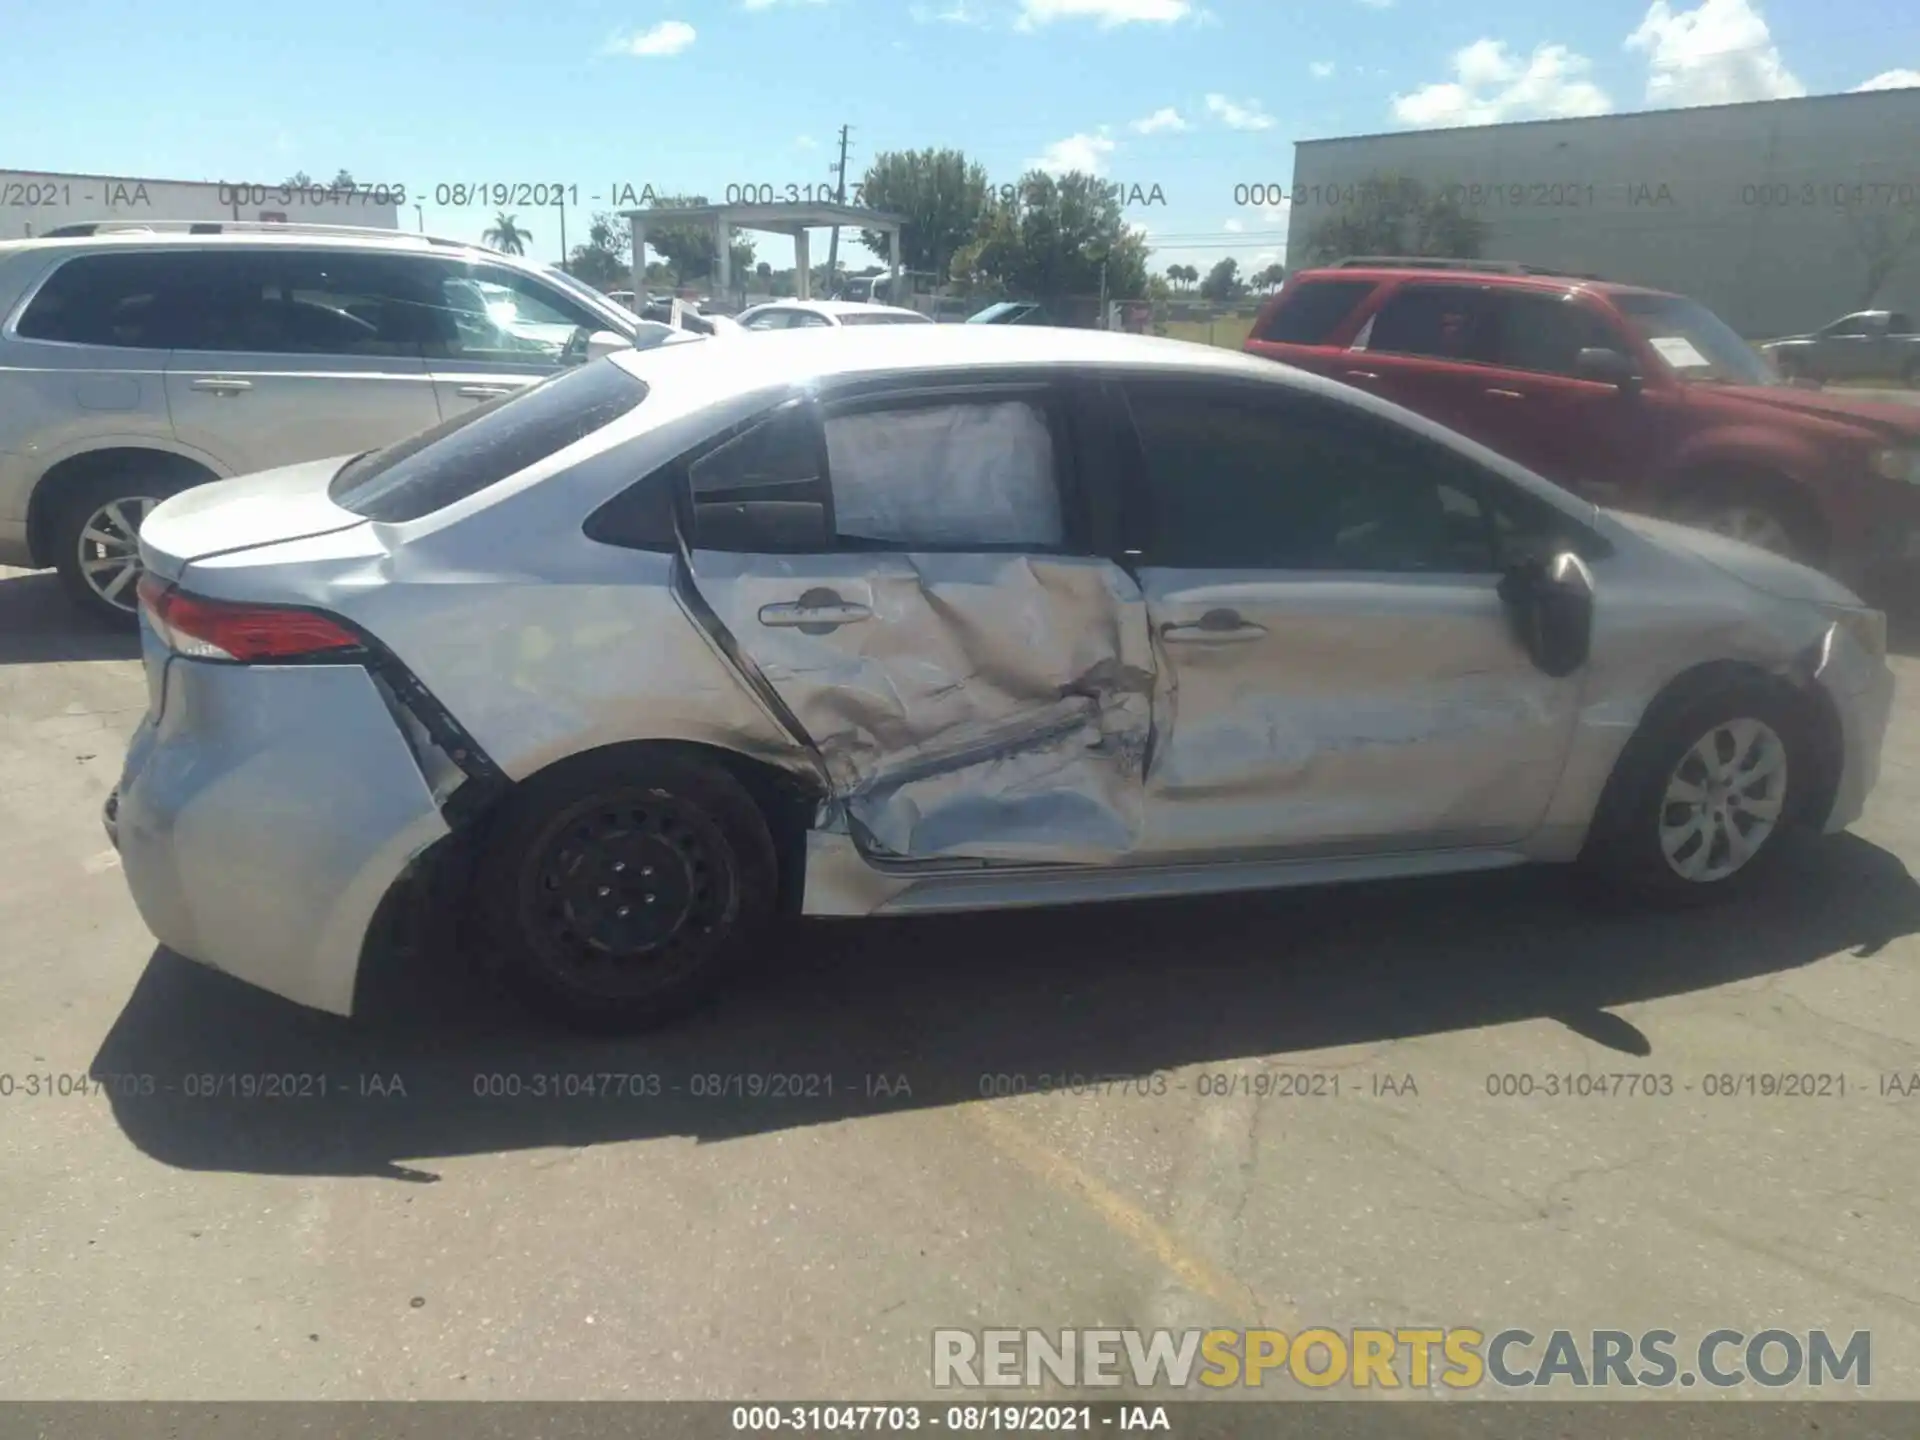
95 538
621 889
1703 799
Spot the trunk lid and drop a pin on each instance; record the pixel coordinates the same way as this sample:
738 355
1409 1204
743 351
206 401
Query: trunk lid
290 503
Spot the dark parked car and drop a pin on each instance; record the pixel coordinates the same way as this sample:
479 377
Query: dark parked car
1632 397
1012 312
1868 345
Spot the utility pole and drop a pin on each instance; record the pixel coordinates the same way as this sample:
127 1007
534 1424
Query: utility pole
839 198
561 206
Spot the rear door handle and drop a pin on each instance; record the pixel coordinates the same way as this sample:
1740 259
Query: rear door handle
222 385
1361 375
1216 627
804 615
1500 394
485 392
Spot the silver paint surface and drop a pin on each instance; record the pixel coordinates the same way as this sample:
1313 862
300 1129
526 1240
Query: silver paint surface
999 730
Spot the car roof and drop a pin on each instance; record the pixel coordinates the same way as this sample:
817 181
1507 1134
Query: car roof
836 307
1556 283
304 238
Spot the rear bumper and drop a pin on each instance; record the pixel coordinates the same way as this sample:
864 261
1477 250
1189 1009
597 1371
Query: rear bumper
264 816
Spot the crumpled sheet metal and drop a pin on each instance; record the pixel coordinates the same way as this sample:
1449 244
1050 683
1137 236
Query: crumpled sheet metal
994 707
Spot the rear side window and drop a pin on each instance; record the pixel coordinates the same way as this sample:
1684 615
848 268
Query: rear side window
946 475
127 301
1311 310
480 447
1447 322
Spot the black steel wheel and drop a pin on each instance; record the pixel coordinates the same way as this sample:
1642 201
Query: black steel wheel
620 888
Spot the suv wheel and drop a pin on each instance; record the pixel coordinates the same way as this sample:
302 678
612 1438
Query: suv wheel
620 890
95 537
1751 511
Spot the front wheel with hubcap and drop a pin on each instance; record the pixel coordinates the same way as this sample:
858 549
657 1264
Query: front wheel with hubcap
620 889
96 542
1751 513
1704 797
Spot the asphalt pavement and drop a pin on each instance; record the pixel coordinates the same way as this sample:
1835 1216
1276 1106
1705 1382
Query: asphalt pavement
1326 1122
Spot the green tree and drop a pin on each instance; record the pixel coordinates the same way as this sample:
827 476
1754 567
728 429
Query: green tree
942 197
1394 215
1223 281
605 259
299 180
1182 276
1269 279
506 236
1053 238
687 245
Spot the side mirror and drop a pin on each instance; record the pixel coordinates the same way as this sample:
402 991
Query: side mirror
1609 367
606 342
1549 606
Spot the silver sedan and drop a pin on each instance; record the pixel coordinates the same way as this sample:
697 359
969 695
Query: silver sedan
913 619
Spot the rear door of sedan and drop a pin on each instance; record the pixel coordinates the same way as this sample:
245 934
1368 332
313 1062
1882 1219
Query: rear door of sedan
913 578
1336 667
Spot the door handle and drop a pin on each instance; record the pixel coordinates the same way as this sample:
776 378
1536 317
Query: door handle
804 614
1361 375
485 392
220 385
1216 627
1499 394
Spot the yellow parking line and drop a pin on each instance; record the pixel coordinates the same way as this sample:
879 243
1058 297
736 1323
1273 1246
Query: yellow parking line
1121 1215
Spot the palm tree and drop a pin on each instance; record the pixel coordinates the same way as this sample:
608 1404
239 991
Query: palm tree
505 236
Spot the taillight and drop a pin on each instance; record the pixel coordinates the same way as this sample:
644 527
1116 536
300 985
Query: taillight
205 629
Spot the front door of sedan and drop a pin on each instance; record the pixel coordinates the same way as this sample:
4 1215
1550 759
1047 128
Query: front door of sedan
907 581
1337 672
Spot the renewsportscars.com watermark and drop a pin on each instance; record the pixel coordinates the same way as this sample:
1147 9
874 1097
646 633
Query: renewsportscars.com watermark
1382 1359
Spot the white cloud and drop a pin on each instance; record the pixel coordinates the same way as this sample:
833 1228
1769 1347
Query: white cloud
1378 4
769 4
669 37
955 13
1717 54
1321 69
1108 12
1239 117
805 142
1273 213
1084 152
1162 120
1891 80
1491 84
1233 227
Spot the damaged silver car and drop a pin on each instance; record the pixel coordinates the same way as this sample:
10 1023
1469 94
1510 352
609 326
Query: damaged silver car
904 620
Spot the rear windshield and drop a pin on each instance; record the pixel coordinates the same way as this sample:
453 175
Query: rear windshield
482 446
1309 312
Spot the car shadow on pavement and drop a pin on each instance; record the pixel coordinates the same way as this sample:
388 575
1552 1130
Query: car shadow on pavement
938 1011
39 625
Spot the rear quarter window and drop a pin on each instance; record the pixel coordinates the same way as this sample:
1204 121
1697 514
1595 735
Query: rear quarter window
463 455
1310 311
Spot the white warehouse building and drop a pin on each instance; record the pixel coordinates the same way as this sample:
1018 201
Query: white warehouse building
32 202
1781 214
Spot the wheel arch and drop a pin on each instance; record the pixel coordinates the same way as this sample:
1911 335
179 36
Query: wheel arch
788 800
1805 695
43 504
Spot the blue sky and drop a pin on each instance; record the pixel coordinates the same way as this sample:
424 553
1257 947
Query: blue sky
1192 96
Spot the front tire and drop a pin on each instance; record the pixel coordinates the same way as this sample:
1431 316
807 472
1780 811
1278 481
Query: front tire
620 889
1764 515
95 537
1704 798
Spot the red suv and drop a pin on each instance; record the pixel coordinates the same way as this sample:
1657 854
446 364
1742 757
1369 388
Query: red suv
1631 397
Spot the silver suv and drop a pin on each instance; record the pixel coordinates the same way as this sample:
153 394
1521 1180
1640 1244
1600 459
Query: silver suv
136 364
